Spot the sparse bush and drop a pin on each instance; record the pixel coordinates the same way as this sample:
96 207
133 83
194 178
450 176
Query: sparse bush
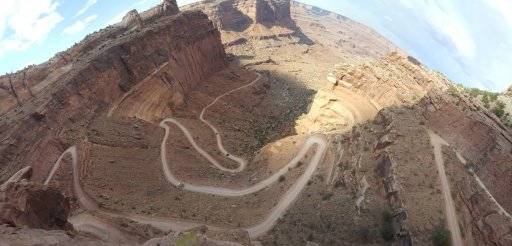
499 110
281 178
320 177
299 164
364 233
386 231
327 196
441 236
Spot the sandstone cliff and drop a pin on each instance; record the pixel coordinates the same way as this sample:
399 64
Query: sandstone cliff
390 81
184 48
239 15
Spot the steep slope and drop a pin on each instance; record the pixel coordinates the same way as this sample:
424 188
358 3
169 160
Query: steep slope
167 53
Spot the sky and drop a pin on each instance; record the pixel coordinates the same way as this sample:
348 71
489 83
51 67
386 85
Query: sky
468 41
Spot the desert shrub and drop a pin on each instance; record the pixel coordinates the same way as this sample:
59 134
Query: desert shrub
326 196
453 91
386 230
281 178
499 110
441 236
364 233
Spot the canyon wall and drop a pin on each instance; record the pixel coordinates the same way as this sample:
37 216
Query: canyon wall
186 45
238 15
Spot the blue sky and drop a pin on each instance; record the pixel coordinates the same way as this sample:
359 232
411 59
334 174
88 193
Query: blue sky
468 41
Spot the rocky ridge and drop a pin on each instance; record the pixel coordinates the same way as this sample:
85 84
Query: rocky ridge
390 81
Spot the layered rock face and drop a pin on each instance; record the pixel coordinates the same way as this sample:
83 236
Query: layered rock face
273 11
238 15
391 81
184 49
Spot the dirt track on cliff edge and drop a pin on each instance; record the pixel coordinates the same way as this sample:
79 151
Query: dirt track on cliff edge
451 215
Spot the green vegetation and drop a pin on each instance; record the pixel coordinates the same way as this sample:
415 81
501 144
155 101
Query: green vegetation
364 233
499 110
441 236
485 100
474 92
187 239
327 196
386 231
281 178
453 91
489 99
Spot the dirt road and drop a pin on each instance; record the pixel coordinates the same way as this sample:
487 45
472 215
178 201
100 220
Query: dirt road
91 224
451 215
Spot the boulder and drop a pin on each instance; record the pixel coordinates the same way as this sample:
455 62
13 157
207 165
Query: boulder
385 165
390 185
385 141
24 203
132 20
170 7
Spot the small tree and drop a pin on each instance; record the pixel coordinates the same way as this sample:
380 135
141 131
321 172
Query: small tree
281 178
386 231
441 236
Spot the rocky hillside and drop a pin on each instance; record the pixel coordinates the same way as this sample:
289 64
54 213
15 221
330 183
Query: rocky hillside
244 86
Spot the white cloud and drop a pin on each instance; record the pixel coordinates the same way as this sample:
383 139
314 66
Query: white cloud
87 5
79 25
444 18
26 25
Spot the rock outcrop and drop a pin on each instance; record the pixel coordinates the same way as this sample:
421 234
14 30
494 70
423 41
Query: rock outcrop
24 203
385 168
132 20
238 15
34 205
166 8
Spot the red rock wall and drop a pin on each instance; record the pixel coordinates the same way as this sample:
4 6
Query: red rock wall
37 133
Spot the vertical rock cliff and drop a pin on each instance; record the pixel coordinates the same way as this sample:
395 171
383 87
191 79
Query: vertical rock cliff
238 15
273 11
183 50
